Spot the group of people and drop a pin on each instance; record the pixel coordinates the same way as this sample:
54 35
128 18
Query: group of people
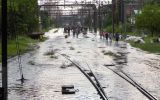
110 36
76 30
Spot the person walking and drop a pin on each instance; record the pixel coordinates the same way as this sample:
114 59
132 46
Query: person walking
69 29
110 37
74 31
77 31
117 38
106 36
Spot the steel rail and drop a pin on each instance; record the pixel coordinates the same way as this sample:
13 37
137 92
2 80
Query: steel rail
98 83
146 92
99 90
133 83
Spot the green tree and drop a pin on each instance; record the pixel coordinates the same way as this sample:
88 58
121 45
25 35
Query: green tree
46 20
149 19
22 16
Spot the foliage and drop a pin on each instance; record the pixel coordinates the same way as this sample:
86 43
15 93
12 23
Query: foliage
118 28
46 20
107 20
149 19
25 44
22 16
148 46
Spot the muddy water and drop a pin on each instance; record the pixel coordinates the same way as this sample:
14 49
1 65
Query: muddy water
45 75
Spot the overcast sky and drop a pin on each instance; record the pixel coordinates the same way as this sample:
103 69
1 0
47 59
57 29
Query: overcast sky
72 1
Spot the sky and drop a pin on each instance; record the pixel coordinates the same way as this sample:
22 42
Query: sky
72 1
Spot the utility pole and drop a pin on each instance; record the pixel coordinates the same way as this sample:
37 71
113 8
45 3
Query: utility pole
99 17
90 19
122 13
113 16
64 3
95 20
4 51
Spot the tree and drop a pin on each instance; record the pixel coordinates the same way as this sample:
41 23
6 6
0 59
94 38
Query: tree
149 19
46 20
22 16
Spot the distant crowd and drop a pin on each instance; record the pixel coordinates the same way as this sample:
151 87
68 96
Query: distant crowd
110 36
76 30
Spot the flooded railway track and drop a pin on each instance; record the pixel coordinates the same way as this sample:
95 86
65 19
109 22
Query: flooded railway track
126 77
91 77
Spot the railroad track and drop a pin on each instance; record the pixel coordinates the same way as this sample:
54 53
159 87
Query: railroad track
91 77
126 77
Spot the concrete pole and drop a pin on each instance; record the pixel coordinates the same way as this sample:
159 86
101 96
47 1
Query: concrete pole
95 20
113 16
99 16
4 51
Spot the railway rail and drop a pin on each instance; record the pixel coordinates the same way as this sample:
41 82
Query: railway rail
126 77
119 72
91 77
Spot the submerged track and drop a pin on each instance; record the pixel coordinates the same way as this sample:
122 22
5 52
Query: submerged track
91 77
126 77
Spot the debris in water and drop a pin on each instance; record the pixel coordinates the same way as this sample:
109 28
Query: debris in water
72 48
101 47
63 66
93 40
53 56
110 53
55 31
68 89
68 42
50 52
71 64
78 52
31 63
109 64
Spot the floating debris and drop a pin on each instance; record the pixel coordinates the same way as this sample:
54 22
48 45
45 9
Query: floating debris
110 53
71 48
70 65
50 52
55 31
53 56
109 64
68 42
63 66
31 63
68 89
78 52
101 47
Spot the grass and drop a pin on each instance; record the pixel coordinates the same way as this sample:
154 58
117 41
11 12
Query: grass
148 46
51 52
109 53
47 29
42 38
25 44
54 57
